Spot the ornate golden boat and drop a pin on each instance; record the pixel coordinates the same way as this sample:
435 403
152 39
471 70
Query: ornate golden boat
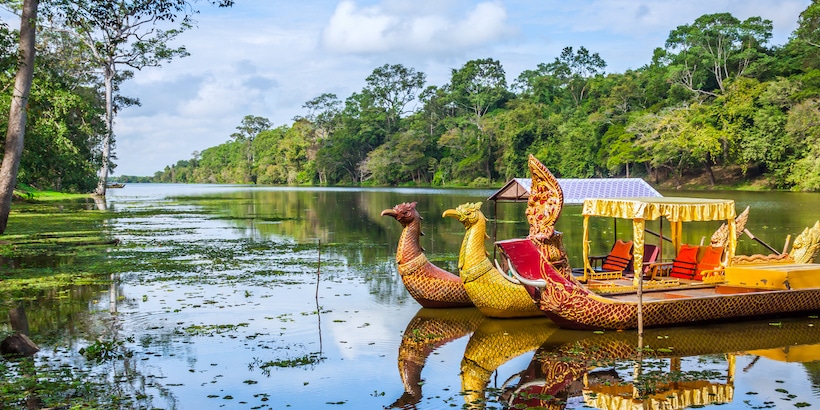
729 290
493 293
584 370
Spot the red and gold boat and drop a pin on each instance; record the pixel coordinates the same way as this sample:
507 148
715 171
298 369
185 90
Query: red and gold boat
737 287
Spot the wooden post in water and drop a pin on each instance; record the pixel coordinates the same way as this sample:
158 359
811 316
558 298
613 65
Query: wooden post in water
318 277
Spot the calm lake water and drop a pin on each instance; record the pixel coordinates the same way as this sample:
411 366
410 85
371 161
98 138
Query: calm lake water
272 298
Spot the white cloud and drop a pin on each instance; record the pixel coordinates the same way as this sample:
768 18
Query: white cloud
387 28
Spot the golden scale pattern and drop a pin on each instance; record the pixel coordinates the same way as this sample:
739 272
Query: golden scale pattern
491 293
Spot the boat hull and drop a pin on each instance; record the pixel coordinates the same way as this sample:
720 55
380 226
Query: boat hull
431 286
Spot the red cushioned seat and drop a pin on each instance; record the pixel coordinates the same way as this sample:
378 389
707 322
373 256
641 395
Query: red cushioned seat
617 260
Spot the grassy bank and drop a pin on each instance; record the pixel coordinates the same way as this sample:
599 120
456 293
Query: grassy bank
25 193
47 234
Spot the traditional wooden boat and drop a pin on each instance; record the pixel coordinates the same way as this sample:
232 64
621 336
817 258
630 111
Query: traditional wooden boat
581 370
115 185
729 291
429 285
493 293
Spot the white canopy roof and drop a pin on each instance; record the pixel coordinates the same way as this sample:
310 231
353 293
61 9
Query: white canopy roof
576 190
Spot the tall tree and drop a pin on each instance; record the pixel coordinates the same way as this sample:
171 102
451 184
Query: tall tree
393 87
804 128
480 86
575 69
126 33
718 44
322 113
248 131
17 112
808 25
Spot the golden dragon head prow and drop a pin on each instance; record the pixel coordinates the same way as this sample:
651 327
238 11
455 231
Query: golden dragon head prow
545 202
806 245
721 235
468 214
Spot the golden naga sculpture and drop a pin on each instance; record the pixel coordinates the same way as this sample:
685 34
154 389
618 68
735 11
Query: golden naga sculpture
543 209
806 245
428 284
721 235
493 293
804 250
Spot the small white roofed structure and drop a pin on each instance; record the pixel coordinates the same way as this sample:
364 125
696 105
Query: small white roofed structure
576 189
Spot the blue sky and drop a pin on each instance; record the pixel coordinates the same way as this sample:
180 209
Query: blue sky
267 57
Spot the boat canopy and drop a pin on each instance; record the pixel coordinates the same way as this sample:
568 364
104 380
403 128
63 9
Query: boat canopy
575 190
674 209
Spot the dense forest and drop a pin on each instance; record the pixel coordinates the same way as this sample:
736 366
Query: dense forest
716 95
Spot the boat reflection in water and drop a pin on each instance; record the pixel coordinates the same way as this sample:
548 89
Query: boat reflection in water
492 343
427 331
669 368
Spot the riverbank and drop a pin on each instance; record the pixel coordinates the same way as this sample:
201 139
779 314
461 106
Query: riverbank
731 178
26 193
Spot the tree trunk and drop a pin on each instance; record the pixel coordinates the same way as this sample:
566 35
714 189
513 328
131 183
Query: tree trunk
17 113
710 173
18 320
109 129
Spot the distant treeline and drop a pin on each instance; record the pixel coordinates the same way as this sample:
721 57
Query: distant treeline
715 95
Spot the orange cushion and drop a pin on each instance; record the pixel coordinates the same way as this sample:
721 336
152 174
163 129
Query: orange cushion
683 269
619 257
688 253
685 264
622 249
710 259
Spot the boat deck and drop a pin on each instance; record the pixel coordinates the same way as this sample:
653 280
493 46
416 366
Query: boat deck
739 279
622 290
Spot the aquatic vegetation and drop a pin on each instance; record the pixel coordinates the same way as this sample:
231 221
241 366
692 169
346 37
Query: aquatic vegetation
210 330
102 350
